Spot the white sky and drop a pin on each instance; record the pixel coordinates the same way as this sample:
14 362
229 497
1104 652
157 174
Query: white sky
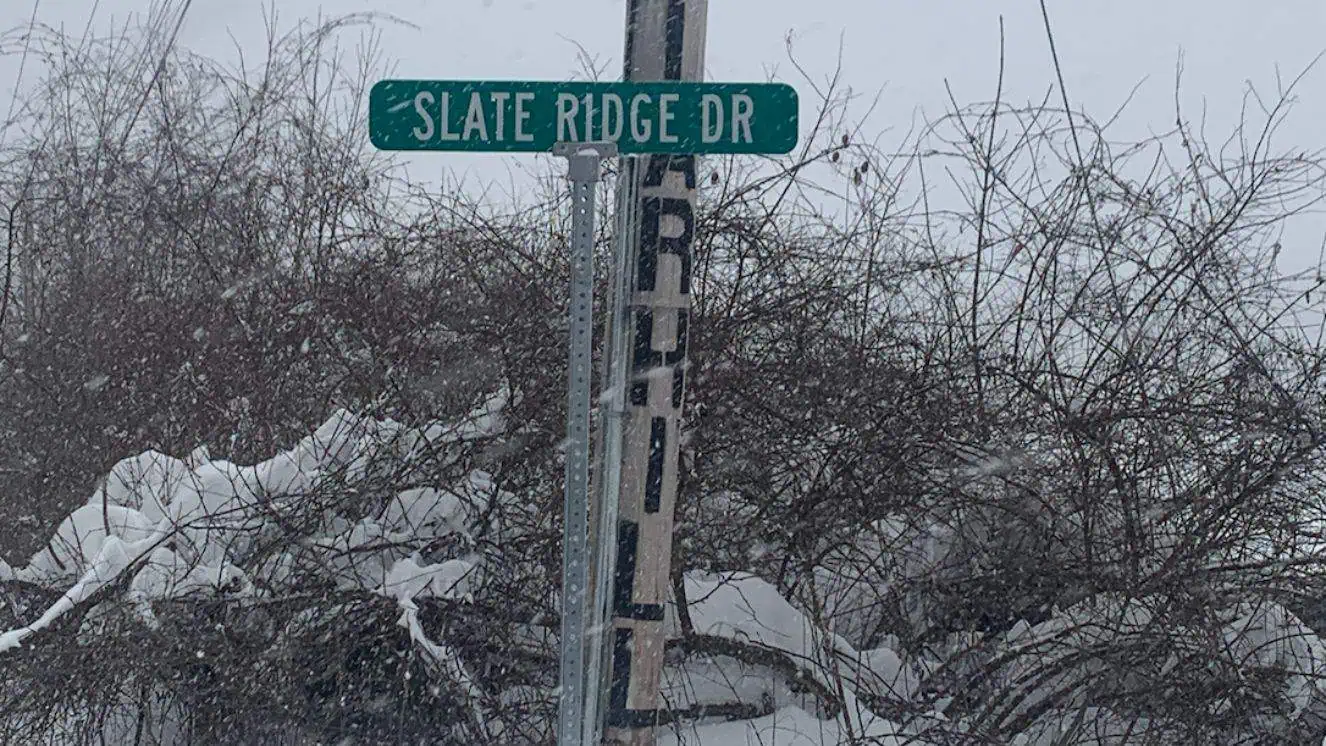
906 49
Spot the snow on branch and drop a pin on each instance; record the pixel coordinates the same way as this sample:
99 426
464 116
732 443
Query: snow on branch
172 528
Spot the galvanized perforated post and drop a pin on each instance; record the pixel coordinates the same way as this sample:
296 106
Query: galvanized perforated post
603 518
583 161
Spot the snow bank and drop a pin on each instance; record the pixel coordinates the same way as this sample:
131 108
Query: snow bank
742 607
425 511
1042 660
144 483
165 574
79 540
1252 637
789 726
112 557
184 527
485 421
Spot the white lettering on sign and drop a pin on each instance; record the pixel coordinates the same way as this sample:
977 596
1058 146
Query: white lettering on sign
499 101
640 133
665 116
445 117
711 118
422 100
645 118
567 105
589 115
742 109
521 116
474 118
612 101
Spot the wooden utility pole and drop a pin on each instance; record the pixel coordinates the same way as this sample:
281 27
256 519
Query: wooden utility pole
645 381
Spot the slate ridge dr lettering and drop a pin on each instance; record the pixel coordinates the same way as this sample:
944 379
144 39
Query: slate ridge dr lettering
641 118
426 105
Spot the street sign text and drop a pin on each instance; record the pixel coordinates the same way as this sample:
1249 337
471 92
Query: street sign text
522 116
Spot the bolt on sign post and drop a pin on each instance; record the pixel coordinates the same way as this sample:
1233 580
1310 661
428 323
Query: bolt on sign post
654 115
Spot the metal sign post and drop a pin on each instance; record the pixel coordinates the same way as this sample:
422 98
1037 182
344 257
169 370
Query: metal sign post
583 161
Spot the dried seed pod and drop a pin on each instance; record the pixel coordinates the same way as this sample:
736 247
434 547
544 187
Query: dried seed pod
844 141
713 178
834 156
865 166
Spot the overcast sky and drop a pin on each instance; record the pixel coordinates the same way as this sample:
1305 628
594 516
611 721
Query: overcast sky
905 49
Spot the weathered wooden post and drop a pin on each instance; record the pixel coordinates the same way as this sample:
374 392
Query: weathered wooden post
644 383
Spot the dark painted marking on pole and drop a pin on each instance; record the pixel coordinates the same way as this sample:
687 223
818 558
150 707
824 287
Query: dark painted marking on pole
675 39
623 581
621 674
658 443
653 242
644 612
646 268
623 589
628 548
659 166
677 359
633 718
644 358
632 19
654 209
656 171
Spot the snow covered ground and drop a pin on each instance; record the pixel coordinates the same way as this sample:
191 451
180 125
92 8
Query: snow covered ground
164 528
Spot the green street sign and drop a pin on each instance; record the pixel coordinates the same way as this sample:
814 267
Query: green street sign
530 116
